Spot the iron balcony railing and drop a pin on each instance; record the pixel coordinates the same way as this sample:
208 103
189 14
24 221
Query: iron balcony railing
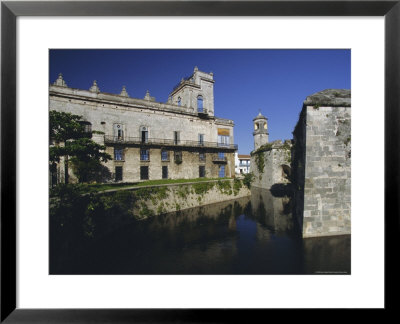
109 139
202 111
219 159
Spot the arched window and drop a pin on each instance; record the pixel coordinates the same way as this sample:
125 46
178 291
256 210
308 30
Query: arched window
179 101
200 104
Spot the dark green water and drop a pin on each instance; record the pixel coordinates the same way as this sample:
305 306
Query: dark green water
245 236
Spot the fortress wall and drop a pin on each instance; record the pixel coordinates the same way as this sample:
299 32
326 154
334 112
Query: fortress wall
276 156
322 169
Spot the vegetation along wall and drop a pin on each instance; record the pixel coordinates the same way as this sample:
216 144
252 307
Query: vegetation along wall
91 215
152 201
271 164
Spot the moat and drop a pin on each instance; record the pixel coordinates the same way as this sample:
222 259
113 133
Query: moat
251 235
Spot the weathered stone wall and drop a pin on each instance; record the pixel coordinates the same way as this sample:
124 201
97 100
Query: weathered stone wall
161 199
188 169
270 164
200 83
162 120
260 140
322 164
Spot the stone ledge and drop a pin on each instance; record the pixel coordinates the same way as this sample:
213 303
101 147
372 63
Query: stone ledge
311 235
330 98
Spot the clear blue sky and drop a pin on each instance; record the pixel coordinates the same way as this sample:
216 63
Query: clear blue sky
275 81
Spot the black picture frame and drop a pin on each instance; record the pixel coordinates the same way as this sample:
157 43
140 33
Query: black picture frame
10 10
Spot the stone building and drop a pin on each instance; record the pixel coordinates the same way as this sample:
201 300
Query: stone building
181 138
270 162
322 164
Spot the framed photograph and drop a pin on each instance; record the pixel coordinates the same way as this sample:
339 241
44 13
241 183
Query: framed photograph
206 220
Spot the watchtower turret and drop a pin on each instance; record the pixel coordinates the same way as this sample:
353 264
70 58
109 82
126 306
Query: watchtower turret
260 133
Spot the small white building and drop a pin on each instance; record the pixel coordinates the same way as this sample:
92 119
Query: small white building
242 163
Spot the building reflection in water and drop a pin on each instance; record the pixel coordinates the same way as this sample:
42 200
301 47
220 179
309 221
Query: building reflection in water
330 255
244 236
274 214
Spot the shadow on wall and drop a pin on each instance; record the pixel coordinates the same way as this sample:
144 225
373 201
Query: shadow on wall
286 172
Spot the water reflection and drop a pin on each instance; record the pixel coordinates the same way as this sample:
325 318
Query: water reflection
274 213
244 236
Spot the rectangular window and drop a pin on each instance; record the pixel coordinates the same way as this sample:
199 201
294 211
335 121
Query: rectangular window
118 132
200 104
145 136
202 171
165 172
221 155
178 157
118 173
144 155
201 139
223 140
202 156
176 138
221 172
144 173
87 127
118 154
164 155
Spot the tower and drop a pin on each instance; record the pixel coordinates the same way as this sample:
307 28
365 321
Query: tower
260 133
195 91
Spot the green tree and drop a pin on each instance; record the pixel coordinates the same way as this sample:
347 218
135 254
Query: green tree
73 141
65 126
86 157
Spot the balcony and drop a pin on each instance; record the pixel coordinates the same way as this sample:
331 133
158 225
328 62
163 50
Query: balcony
109 139
219 159
202 113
